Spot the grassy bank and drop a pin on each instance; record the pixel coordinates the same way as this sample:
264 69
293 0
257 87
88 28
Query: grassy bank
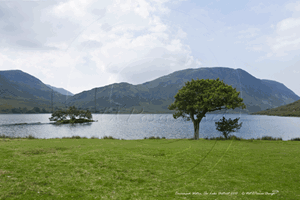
108 168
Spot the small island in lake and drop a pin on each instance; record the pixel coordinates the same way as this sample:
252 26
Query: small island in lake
60 116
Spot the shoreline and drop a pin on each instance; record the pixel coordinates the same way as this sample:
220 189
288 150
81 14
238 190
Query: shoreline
232 137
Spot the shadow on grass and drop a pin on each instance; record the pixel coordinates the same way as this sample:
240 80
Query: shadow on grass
155 138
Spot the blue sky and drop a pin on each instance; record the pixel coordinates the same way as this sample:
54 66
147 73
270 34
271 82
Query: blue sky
79 45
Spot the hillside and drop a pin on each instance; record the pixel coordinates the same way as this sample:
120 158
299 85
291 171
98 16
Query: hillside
20 89
292 110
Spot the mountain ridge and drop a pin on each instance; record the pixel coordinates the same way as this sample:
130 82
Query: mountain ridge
60 90
160 92
149 97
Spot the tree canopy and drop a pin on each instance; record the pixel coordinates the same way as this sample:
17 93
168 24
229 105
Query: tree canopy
72 113
201 96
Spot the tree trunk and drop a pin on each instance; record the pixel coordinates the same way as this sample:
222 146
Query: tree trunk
225 135
196 129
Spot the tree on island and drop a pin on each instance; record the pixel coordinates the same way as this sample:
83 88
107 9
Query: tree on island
201 96
60 116
227 126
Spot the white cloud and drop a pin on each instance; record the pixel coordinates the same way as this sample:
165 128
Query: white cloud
292 44
286 37
287 24
175 45
130 32
295 6
142 9
181 34
257 48
248 33
156 25
71 8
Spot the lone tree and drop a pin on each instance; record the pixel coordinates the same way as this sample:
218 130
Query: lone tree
60 116
228 126
201 96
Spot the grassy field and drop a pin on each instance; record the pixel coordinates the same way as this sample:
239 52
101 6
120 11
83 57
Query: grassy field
107 168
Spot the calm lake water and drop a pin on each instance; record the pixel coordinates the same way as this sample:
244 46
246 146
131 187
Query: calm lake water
138 126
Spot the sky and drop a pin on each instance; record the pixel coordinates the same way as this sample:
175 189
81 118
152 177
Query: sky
79 45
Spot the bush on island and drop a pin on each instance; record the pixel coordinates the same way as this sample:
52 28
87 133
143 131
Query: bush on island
60 116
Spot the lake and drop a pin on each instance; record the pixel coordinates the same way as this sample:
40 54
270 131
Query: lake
138 126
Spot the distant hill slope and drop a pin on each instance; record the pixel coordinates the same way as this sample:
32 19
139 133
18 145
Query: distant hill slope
292 109
20 89
60 90
155 96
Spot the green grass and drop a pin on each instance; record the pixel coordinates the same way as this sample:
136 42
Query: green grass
154 168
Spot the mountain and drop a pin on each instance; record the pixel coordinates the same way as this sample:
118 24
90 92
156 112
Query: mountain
155 96
60 90
20 89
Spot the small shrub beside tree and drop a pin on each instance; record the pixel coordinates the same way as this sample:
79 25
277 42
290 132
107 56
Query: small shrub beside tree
228 126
